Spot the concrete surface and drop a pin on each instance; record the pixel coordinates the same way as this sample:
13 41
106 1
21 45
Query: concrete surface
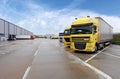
108 60
15 57
49 59
52 62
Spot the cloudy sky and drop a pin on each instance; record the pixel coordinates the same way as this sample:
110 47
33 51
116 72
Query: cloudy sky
52 16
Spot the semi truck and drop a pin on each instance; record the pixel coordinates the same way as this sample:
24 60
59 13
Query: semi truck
55 36
90 34
61 37
66 37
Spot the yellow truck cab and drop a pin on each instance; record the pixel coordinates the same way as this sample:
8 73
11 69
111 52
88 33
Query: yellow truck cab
66 40
89 34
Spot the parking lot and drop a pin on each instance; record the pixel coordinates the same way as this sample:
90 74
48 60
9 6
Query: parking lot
49 59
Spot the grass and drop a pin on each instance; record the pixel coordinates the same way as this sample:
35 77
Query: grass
116 39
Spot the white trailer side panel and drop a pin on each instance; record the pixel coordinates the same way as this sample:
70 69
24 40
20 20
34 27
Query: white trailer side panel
23 37
11 29
6 29
1 26
105 31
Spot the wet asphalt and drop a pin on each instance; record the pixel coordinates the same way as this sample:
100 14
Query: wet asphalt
49 59
15 57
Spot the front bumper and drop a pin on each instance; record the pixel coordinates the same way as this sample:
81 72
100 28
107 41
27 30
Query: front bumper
67 44
88 47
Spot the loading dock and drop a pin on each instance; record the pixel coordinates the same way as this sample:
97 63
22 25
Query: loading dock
9 31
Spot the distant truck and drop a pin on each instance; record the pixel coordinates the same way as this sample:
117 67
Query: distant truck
90 34
61 37
54 37
25 37
67 41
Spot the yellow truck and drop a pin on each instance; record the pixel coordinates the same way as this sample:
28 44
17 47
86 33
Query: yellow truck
66 37
90 34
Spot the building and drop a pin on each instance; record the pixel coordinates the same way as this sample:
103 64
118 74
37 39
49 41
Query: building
9 31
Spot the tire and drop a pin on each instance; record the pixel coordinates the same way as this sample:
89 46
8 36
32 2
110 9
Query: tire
103 46
96 48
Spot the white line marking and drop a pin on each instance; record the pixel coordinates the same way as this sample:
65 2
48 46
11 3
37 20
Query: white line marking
36 53
112 55
101 74
26 72
92 57
95 55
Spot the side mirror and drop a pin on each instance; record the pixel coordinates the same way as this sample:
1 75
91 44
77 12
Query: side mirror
95 31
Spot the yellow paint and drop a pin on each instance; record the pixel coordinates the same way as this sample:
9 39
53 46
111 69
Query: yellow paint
93 38
67 37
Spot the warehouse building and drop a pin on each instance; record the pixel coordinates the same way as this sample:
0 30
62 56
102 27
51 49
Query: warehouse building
9 31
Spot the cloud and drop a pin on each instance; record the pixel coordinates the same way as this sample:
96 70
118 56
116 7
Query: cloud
41 21
4 2
75 3
56 21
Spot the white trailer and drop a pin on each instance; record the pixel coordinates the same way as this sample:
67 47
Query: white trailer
105 31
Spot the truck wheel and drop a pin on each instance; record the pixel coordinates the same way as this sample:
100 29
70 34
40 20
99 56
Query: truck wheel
95 50
103 46
98 47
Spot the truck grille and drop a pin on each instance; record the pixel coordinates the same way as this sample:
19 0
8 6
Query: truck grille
80 45
67 39
80 39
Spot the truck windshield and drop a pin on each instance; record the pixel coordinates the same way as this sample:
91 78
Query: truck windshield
81 29
61 34
67 32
